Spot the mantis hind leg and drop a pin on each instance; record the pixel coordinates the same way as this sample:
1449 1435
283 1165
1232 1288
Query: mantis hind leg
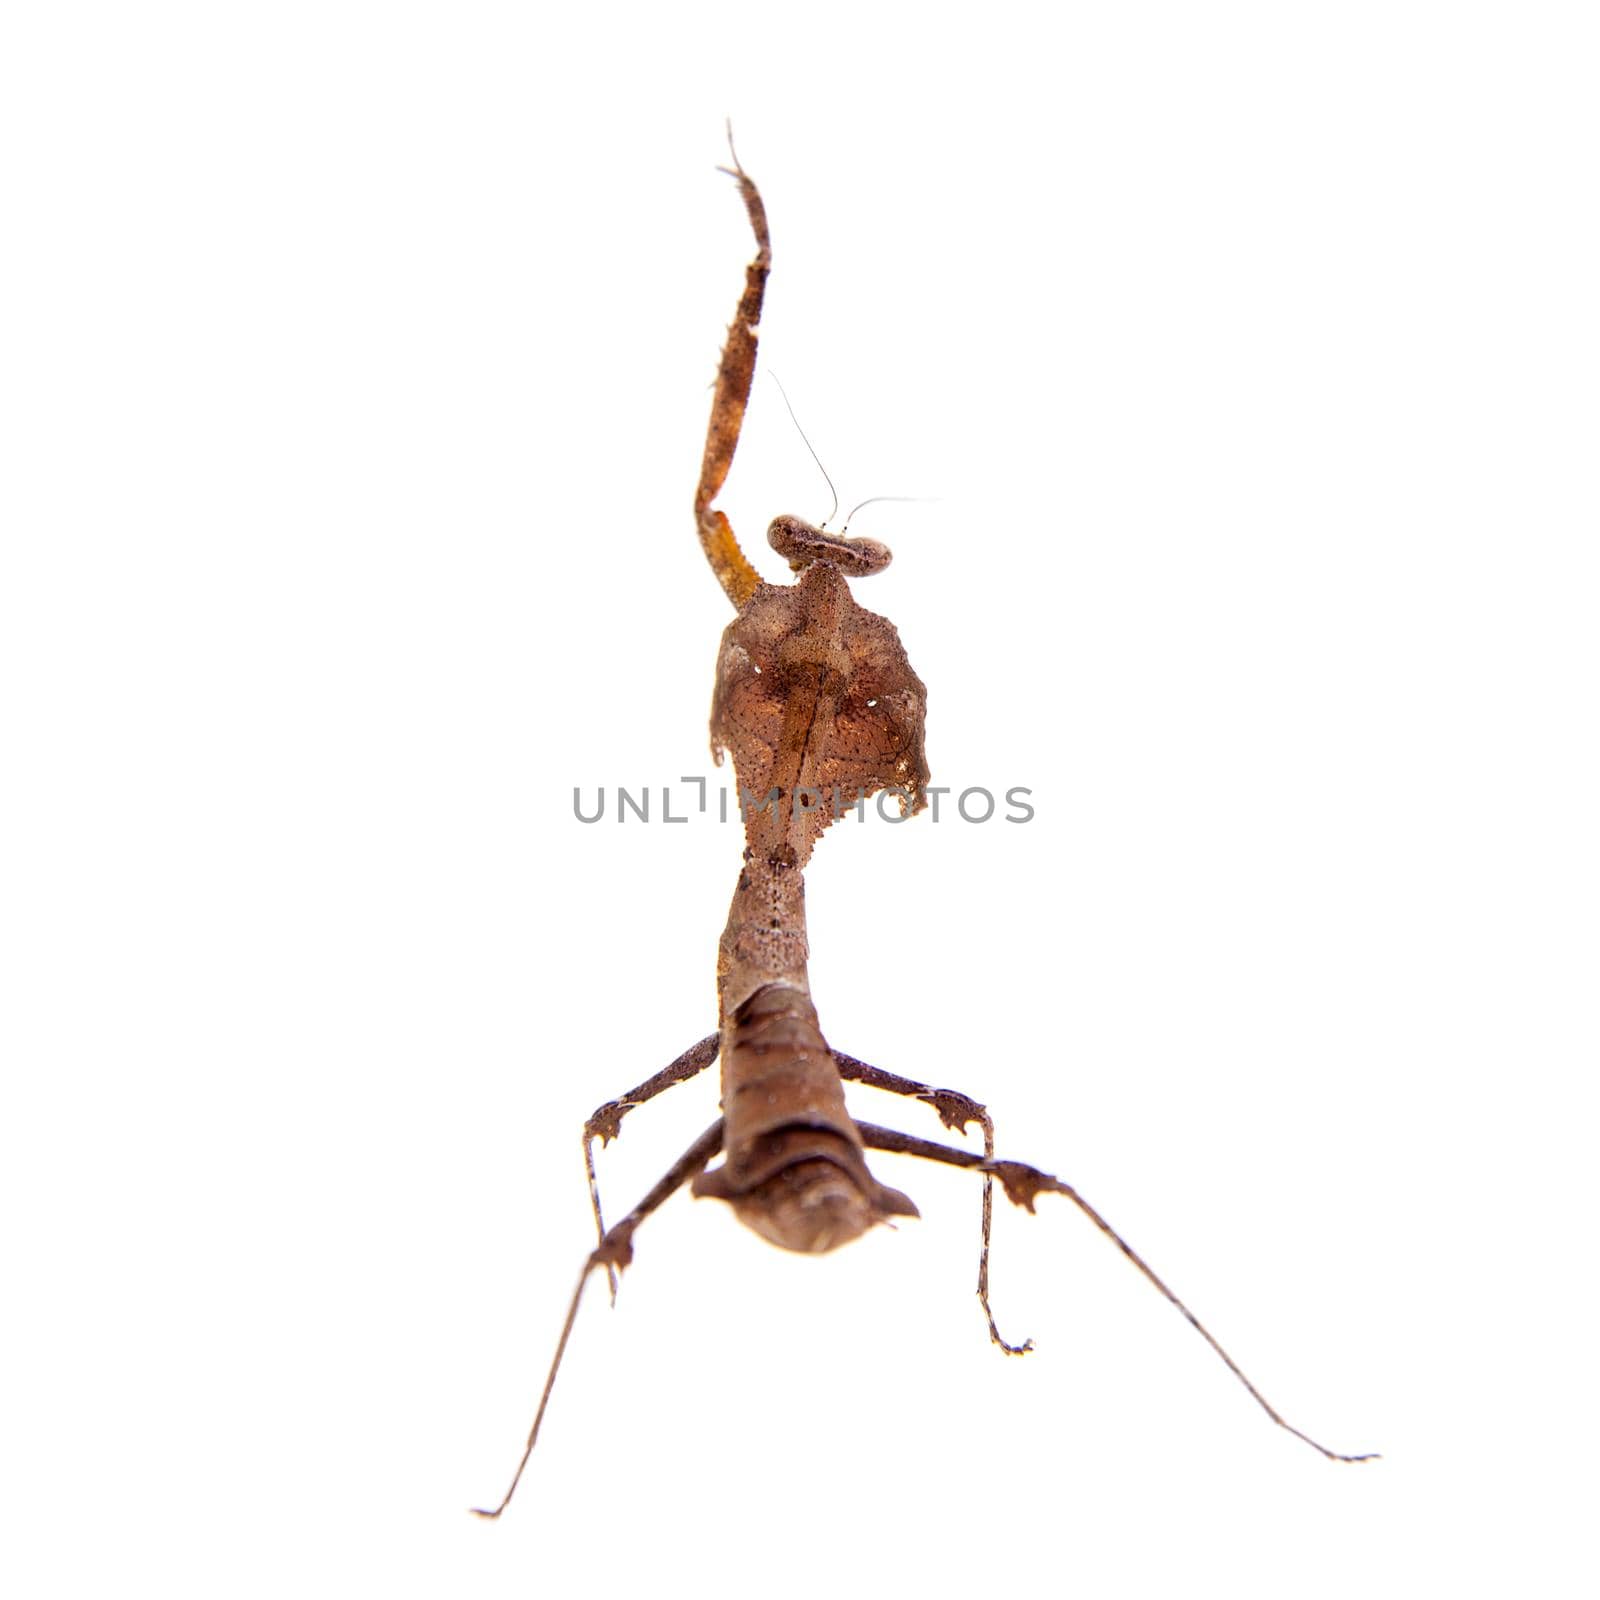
955 1110
1023 1185
606 1122
615 1250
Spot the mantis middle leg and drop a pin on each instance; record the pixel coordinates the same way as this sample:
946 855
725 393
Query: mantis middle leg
606 1122
955 1110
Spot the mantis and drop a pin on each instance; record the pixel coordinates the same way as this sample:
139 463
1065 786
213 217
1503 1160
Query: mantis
816 701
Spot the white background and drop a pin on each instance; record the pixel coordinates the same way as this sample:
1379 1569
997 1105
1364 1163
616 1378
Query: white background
354 379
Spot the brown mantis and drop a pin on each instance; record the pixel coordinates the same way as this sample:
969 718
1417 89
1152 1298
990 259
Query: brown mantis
816 702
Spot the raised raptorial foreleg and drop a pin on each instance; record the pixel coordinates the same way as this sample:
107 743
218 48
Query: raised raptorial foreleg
734 377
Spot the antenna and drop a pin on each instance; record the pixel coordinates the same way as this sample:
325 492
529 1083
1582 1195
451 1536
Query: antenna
878 499
814 456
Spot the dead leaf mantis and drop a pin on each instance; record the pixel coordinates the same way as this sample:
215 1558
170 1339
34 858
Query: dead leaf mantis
816 701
